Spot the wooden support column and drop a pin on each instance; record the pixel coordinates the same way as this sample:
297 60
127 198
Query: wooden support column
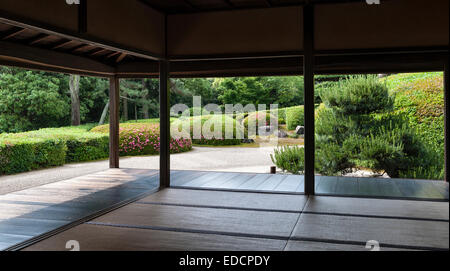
446 118
308 74
164 115
114 89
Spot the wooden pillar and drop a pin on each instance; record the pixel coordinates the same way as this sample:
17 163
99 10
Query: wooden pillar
114 89
308 76
164 115
446 118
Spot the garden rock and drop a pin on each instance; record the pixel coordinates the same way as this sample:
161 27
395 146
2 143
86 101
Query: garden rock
281 134
300 130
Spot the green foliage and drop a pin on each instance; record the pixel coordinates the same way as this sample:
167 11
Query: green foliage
217 126
29 100
358 95
258 119
25 154
295 116
357 129
143 139
290 159
284 91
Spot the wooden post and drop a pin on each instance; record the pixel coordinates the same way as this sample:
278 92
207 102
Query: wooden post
114 88
164 115
308 76
446 121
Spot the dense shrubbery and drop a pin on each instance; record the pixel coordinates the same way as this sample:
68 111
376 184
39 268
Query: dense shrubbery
50 147
258 119
290 159
213 130
357 129
143 139
295 116
420 98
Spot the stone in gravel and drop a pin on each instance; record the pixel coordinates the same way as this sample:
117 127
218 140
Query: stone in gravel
281 134
300 130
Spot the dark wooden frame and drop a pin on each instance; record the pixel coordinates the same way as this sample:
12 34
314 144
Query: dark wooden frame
308 77
164 116
114 103
446 118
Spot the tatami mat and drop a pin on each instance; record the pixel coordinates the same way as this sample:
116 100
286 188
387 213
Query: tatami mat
379 207
184 219
227 199
203 219
92 238
396 232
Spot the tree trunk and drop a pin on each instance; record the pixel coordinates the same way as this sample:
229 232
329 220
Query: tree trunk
125 107
145 104
74 85
105 111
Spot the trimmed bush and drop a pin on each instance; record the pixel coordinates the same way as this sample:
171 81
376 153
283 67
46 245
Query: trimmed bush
143 139
24 154
295 116
290 159
213 138
259 119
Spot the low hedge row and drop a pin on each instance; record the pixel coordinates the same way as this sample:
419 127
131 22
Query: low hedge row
50 147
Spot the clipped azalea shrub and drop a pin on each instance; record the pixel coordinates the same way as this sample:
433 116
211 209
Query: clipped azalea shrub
143 139
290 159
295 116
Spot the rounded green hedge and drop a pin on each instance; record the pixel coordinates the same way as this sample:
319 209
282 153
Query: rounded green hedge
143 139
213 121
295 116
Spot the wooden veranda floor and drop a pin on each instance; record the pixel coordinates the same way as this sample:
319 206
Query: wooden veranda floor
122 210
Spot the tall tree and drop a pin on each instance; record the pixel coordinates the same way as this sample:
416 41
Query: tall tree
74 85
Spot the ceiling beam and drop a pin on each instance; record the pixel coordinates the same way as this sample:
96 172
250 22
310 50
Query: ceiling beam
62 44
38 39
121 57
13 32
37 57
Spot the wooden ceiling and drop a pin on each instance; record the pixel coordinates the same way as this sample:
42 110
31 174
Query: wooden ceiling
34 38
193 6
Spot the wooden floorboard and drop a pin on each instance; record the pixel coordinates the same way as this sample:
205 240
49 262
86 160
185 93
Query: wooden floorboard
379 207
324 246
203 219
28 213
101 238
227 199
407 233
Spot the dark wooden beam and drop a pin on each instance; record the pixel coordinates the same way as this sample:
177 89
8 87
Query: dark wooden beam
164 115
13 32
114 100
229 3
446 118
55 60
62 44
82 16
190 5
75 35
268 3
38 39
121 57
308 73
99 51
